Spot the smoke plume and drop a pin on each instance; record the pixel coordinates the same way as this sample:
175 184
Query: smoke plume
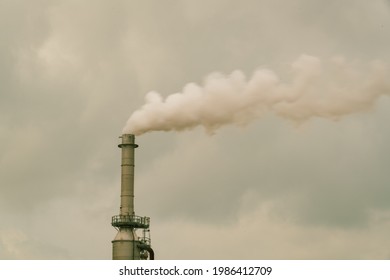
325 89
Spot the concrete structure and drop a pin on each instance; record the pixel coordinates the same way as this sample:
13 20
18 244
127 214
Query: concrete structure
127 245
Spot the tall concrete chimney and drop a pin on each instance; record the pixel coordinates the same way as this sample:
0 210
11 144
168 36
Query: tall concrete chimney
127 245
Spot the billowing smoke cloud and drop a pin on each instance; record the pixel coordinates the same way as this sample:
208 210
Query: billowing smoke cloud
326 89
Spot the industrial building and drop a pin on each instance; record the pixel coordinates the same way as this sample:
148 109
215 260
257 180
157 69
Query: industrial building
127 245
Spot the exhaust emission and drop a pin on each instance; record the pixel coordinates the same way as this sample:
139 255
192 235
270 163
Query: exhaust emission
314 88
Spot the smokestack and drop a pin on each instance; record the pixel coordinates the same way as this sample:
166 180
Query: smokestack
127 245
127 174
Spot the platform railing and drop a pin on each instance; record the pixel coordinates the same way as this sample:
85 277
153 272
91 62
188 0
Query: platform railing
130 221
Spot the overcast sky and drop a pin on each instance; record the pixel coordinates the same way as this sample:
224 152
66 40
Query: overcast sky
71 74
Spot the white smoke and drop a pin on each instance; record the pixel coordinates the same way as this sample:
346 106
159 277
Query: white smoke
316 88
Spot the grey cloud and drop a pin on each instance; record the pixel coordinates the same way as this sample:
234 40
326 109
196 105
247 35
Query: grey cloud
71 74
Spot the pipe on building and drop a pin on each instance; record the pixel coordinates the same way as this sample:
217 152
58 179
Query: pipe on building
148 249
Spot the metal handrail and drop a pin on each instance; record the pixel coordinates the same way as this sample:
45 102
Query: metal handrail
145 240
130 220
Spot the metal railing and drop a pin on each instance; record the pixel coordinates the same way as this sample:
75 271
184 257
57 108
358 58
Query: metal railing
145 240
130 221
